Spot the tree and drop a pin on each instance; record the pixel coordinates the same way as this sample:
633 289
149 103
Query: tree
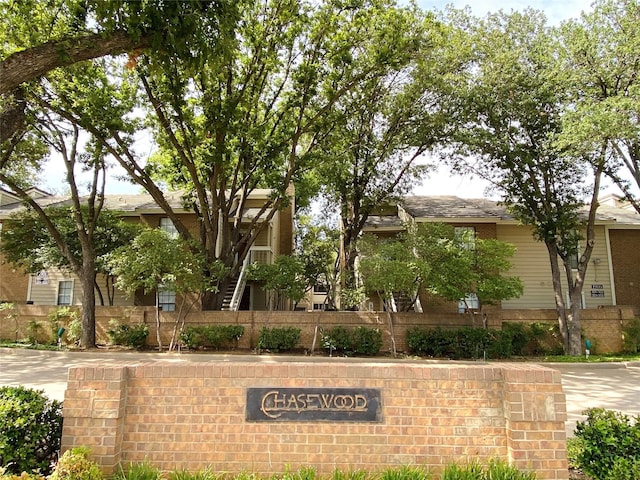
27 242
318 247
38 36
509 106
84 211
155 261
284 279
601 52
380 131
245 111
463 266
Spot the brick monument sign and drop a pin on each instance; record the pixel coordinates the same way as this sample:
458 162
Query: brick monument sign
266 414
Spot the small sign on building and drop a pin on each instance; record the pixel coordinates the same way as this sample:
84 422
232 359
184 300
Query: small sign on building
41 278
597 290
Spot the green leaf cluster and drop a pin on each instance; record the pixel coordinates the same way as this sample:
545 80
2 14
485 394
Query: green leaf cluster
153 259
278 339
610 444
214 336
30 430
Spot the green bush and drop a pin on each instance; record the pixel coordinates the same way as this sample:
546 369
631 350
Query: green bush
356 341
631 336
610 445
465 342
279 339
213 336
75 465
129 335
30 430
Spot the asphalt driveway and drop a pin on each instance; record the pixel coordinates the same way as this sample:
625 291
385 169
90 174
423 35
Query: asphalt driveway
614 386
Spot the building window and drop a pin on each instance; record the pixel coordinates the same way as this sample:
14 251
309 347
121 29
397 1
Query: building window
320 288
166 225
65 292
166 299
469 302
318 306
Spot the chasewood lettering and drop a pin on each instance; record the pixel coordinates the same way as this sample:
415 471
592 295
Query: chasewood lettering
313 404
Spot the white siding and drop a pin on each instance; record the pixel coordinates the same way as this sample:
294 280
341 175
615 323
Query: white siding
531 264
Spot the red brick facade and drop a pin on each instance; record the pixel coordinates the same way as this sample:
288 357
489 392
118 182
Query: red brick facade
194 415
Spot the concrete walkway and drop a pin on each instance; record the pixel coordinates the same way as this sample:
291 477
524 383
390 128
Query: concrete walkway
614 386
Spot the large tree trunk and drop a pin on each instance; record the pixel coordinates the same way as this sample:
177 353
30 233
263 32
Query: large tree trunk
87 277
561 310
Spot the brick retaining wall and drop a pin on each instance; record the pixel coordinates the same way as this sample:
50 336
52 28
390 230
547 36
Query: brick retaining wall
192 416
603 326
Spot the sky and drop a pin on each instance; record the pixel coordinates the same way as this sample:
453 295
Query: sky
442 181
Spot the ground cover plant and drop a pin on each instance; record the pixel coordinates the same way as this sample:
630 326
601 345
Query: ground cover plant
74 465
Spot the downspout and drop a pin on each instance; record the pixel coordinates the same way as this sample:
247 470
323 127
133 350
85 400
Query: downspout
614 300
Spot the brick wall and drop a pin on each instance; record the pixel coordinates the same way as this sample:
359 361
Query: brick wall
603 326
193 415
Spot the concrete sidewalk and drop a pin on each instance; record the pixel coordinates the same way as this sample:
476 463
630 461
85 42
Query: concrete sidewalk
614 386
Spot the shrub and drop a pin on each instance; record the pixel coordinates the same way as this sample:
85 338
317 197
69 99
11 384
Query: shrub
30 429
62 317
33 331
631 336
610 443
214 336
466 342
431 342
357 341
279 339
545 339
129 335
520 336
75 465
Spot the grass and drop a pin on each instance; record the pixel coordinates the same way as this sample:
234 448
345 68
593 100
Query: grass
610 357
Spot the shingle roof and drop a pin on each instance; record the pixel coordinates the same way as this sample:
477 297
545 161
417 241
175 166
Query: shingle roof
453 207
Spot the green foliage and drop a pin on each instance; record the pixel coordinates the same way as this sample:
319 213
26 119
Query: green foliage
30 430
465 342
62 317
33 331
534 339
74 331
448 264
214 336
129 335
155 259
10 315
631 336
278 339
205 474
405 472
27 242
355 341
76 465
285 278
143 471
610 445
495 470
575 446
